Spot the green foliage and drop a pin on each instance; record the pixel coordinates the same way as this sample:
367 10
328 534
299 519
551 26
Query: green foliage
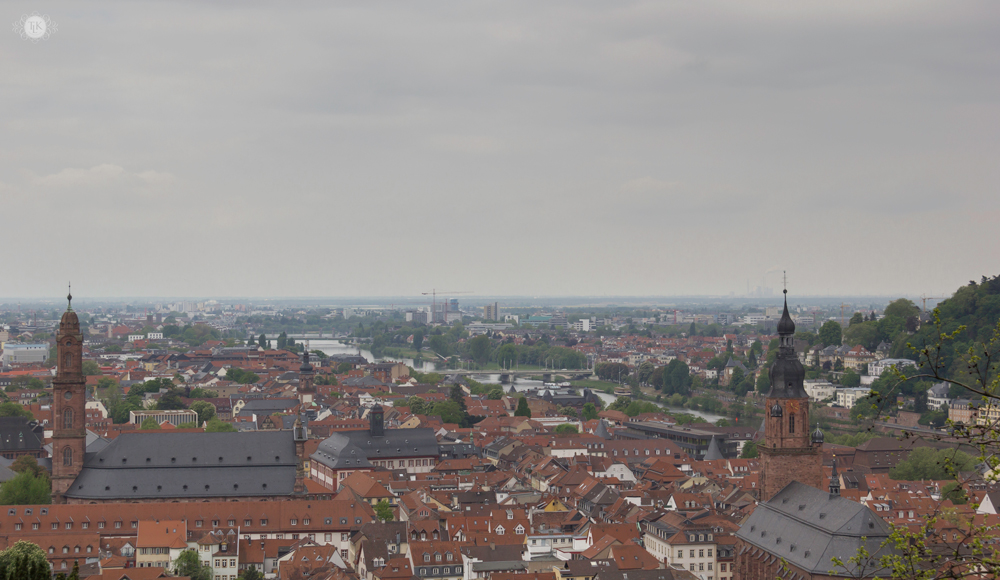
439 344
763 384
566 429
858 318
749 450
149 423
495 394
218 426
677 378
849 439
170 401
383 511
449 411
479 349
26 488
611 371
589 412
241 376
850 378
955 493
522 408
22 383
188 425
205 410
91 368
9 409
200 393
189 564
929 463
251 573
902 308
24 561
418 339
30 464
831 333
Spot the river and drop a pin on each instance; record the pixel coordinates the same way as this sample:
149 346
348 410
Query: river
332 347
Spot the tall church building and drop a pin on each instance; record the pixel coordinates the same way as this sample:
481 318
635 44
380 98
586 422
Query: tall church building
790 452
69 434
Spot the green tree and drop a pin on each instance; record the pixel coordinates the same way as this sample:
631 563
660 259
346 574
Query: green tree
26 488
439 344
241 376
91 368
262 341
566 429
24 561
522 408
692 330
251 573
858 318
218 426
589 412
418 339
170 401
955 493
831 333
201 393
205 410
930 463
189 564
149 423
417 405
9 409
282 340
479 349
384 512
495 394
850 378
749 450
29 464
901 308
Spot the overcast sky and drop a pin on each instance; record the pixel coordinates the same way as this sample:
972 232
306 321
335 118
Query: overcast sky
538 148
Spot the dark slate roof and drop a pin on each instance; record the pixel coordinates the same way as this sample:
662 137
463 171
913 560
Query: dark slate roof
150 465
18 434
267 406
353 449
808 527
713 450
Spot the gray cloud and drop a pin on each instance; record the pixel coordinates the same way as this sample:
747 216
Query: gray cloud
504 147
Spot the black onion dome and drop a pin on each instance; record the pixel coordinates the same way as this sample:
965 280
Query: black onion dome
787 374
785 325
817 436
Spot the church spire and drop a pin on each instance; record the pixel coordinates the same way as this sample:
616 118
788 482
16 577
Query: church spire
69 298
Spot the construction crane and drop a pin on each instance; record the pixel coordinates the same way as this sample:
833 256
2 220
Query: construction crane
925 298
434 294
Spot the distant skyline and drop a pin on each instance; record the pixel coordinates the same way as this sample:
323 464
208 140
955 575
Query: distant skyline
569 148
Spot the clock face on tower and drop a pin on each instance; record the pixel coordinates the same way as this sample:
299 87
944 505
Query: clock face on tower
68 395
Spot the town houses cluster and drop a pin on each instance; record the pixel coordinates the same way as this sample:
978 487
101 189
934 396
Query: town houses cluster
338 467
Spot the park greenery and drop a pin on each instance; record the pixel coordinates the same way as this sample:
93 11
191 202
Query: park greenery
24 561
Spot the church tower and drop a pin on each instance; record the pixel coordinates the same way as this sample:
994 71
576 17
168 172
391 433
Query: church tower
69 394
306 388
790 452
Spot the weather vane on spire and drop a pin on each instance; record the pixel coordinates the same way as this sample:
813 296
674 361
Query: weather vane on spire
69 296
784 281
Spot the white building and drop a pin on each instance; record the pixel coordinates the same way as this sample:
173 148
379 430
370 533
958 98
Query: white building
582 325
876 368
819 390
754 319
155 336
847 397
25 353
135 337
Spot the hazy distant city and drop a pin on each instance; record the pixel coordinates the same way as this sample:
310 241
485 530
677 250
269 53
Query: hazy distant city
499 291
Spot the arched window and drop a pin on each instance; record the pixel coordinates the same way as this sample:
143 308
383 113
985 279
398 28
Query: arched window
68 419
67 456
791 424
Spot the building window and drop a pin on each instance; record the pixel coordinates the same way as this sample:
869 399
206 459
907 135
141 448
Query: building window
67 456
68 419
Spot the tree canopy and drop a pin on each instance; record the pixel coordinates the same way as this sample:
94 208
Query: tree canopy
24 561
929 463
